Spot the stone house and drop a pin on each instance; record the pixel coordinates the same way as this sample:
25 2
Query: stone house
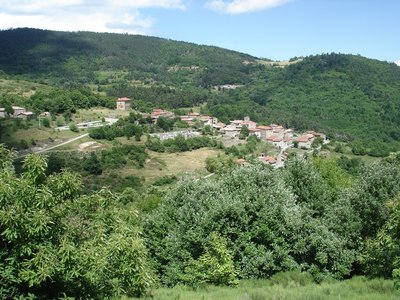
123 103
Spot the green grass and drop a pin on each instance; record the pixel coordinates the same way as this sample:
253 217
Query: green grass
179 164
97 113
21 87
357 288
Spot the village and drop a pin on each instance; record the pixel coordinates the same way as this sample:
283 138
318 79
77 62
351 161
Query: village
280 137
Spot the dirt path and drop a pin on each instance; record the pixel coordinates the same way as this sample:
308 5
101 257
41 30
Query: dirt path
59 145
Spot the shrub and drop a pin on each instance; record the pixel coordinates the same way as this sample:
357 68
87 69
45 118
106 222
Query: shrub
73 127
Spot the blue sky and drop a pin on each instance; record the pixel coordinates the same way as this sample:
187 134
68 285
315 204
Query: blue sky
276 29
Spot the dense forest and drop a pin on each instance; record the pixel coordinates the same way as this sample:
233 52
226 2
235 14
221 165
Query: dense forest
352 98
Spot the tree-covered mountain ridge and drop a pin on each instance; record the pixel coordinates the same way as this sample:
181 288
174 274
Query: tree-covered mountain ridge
350 97
79 56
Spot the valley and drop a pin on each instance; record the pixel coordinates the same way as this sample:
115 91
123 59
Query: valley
135 166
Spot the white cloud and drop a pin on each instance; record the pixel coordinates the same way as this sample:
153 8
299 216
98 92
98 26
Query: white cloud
397 62
243 6
89 15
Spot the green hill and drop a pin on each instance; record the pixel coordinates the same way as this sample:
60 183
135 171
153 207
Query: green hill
86 57
350 97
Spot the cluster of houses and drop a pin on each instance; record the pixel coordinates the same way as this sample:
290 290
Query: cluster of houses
275 134
18 112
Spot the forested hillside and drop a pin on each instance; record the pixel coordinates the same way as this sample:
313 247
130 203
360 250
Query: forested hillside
352 98
85 57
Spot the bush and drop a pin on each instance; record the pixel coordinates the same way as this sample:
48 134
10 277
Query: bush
214 266
164 180
73 127
46 122
60 121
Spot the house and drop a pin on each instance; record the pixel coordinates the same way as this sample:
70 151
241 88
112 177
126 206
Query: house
207 120
317 134
218 125
249 124
277 141
157 112
2 112
186 119
305 140
123 103
265 131
237 124
17 111
27 115
231 131
267 160
255 131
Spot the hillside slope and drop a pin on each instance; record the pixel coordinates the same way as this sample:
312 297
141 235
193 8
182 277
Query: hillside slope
85 57
352 98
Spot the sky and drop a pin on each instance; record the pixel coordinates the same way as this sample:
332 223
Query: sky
273 29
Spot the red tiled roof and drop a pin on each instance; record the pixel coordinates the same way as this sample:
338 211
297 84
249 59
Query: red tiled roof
262 127
124 99
274 138
269 159
304 138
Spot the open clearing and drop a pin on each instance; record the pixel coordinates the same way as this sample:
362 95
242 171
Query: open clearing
96 113
161 164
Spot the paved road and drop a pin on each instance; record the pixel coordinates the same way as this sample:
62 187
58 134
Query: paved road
59 145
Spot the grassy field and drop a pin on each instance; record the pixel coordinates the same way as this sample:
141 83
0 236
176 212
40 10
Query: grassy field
357 288
96 113
41 136
332 154
162 164
21 87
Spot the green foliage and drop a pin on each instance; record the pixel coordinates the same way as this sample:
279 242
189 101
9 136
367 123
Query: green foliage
57 243
164 180
179 143
349 97
73 127
92 165
382 258
292 278
244 132
268 226
46 122
219 164
214 266
165 124
118 156
318 141
377 184
60 121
